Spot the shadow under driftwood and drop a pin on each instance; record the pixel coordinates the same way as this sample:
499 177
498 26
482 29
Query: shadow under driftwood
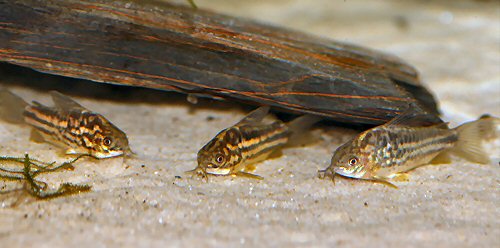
17 76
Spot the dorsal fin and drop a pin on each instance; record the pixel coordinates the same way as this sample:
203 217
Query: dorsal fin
38 104
64 102
255 116
412 116
443 125
402 119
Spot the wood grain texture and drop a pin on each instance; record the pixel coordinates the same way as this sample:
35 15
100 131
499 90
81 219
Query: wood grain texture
177 48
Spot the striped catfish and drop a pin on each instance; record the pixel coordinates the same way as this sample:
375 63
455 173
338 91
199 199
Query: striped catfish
388 151
67 125
235 150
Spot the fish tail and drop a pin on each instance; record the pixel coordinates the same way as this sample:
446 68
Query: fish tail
299 127
11 107
470 137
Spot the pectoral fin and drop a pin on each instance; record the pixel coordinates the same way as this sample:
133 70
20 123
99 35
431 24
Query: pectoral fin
250 167
247 175
385 181
79 151
401 177
36 136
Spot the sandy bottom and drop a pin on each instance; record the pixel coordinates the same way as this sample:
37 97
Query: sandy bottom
148 201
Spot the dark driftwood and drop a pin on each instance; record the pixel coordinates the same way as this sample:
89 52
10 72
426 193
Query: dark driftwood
176 48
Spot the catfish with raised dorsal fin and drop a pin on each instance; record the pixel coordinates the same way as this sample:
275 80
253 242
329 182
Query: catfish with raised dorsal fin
388 151
235 150
67 124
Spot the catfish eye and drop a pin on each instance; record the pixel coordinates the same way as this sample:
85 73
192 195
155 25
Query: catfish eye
107 141
219 158
353 161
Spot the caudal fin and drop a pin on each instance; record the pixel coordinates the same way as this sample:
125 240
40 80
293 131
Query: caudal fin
470 137
11 107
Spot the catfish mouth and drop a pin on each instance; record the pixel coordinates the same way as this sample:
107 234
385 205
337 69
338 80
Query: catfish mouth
207 167
218 171
109 154
357 172
204 171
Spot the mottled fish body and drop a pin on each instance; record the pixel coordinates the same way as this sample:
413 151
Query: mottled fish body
399 149
236 149
71 126
390 150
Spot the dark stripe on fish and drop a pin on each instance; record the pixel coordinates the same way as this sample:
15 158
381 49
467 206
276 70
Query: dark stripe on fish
260 140
73 128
